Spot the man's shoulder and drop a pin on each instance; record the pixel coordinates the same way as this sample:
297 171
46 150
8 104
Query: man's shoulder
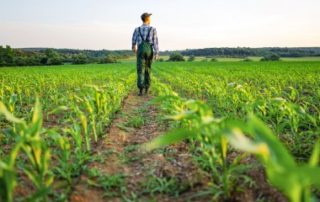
143 26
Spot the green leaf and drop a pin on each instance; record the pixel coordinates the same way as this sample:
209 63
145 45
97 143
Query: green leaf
262 133
171 137
8 115
37 114
315 157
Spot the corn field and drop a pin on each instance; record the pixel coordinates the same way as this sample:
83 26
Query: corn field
233 115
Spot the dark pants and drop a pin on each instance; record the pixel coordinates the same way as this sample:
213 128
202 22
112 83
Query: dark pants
143 71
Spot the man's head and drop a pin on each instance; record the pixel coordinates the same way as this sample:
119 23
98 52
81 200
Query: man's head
145 17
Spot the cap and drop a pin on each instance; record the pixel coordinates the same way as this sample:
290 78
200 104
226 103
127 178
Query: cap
145 15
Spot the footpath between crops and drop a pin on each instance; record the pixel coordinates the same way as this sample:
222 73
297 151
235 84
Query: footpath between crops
121 171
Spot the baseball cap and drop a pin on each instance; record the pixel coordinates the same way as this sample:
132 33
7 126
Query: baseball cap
145 15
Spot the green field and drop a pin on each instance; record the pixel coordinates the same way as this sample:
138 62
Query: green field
249 127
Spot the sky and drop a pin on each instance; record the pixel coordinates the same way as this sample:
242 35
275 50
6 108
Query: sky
181 24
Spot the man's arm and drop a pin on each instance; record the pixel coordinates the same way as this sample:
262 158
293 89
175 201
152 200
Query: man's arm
134 41
155 43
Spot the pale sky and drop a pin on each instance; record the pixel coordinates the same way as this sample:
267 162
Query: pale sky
181 24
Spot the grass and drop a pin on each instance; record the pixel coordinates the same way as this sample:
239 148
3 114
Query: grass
113 185
163 185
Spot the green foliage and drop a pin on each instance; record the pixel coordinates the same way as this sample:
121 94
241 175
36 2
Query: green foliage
109 59
161 185
53 57
79 59
283 98
191 58
245 52
294 180
41 56
214 135
36 151
112 184
214 60
176 57
75 114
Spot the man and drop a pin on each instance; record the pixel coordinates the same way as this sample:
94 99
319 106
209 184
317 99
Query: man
145 46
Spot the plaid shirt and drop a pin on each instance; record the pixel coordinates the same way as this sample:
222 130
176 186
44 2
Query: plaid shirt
153 38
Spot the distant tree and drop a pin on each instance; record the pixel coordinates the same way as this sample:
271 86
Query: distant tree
20 61
54 58
80 59
109 59
43 60
271 57
6 56
191 58
176 57
2 53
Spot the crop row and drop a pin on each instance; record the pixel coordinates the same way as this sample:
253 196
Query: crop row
217 139
51 119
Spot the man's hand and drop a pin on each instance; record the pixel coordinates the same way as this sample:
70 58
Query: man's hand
134 49
156 57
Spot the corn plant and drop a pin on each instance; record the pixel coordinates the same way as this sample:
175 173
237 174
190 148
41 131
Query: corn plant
34 147
293 179
198 124
8 180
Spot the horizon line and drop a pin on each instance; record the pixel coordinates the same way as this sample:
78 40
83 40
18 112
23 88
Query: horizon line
83 49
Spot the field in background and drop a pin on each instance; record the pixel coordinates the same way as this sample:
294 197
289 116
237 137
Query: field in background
223 59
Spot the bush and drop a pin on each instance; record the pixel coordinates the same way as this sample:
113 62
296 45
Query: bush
191 58
214 60
176 57
109 59
161 60
271 57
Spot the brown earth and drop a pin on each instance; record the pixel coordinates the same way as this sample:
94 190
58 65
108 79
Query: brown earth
163 175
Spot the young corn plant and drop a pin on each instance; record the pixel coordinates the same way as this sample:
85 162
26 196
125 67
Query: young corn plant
198 124
34 147
64 168
293 179
8 179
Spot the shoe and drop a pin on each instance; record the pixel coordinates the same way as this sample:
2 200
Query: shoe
141 92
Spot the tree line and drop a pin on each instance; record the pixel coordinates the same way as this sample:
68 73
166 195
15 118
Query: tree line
246 52
41 56
46 56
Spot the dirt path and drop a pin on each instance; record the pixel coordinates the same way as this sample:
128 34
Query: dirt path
120 171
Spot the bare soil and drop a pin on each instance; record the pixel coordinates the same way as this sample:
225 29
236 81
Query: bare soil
163 175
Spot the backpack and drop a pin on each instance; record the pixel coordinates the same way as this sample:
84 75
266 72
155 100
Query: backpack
145 48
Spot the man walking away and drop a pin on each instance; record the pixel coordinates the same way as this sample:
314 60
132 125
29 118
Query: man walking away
146 39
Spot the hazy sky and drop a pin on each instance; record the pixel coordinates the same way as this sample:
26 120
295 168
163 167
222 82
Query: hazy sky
181 24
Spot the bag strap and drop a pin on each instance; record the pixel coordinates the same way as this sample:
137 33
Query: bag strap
147 38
